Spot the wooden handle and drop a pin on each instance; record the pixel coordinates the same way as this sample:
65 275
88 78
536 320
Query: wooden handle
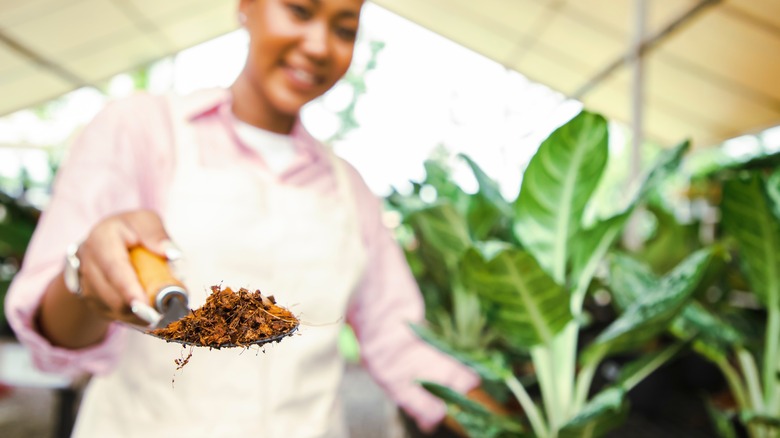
153 272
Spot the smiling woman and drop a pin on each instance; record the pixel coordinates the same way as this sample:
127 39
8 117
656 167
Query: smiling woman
298 50
229 178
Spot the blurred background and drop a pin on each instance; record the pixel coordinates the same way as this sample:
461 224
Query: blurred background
431 80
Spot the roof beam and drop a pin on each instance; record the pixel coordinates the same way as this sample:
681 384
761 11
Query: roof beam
647 44
42 61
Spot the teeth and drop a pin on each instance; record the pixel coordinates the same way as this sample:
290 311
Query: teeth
303 76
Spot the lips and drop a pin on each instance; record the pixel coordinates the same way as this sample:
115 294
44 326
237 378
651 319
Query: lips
303 79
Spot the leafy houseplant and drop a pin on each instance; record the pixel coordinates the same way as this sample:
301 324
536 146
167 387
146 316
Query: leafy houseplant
17 223
749 205
521 271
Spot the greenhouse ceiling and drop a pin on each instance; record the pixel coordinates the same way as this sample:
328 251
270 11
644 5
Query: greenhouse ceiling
711 69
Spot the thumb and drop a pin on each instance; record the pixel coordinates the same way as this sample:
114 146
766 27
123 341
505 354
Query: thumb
149 228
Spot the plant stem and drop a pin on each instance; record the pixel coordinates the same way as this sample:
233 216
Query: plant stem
734 381
772 337
543 364
653 365
584 379
564 356
530 408
750 373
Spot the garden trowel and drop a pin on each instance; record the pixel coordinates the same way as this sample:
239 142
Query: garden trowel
168 299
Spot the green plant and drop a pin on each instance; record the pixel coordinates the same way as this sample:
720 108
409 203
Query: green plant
750 209
17 223
527 288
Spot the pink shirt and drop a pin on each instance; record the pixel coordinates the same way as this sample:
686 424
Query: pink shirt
124 160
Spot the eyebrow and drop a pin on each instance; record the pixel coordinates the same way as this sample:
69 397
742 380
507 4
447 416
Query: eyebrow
341 14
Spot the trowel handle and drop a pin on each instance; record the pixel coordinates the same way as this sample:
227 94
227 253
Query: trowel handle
155 275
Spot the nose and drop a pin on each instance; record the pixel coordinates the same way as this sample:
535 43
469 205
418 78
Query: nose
315 42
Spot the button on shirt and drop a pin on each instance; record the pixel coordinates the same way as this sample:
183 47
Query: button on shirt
124 159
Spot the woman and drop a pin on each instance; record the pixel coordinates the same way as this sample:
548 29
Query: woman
251 200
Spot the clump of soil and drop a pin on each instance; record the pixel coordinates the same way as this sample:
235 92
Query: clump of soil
231 319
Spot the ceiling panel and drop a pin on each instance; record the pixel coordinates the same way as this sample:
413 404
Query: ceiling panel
713 76
17 12
201 25
33 85
10 63
762 12
127 54
81 23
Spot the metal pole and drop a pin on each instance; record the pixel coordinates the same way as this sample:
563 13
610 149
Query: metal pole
632 240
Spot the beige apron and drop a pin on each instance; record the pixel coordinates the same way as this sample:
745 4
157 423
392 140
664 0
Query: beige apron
238 228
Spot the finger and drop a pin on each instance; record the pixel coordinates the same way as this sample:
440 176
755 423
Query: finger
99 294
106 252
150 231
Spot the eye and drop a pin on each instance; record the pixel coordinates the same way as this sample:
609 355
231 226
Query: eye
300 12
346 33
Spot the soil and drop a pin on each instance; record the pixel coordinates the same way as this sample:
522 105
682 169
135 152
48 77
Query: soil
232 319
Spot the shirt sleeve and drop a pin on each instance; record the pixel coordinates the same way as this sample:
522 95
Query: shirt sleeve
386 302
97 178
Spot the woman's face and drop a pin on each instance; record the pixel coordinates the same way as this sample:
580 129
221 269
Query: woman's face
298 49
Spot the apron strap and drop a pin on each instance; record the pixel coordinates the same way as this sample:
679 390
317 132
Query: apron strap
183 136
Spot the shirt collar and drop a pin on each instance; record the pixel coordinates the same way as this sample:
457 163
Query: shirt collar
217 101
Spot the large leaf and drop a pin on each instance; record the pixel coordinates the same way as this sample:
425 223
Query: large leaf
604 412
748 217
590 247
487 210
665 165
442 236
488 188
653 311
475 418
711 332
525 304
556 188
630 279
438 177
588 251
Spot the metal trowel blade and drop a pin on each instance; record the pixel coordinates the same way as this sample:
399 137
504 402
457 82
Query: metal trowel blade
176 309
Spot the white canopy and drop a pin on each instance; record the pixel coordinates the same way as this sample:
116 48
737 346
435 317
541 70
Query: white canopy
711 68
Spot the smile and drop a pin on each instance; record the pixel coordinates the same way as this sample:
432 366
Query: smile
302 78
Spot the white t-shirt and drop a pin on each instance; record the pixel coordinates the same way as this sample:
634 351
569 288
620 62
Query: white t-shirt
277 150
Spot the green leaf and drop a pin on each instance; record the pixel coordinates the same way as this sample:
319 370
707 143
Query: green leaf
629 279
488 188
653 311
634 372
751 417
475 418
443 229
666 164
711 332
483 217
556 187
524 303
590 248
604 412
14 237
442 236
724 426
488 211
748 217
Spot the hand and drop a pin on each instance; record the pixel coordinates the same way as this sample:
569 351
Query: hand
109 283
